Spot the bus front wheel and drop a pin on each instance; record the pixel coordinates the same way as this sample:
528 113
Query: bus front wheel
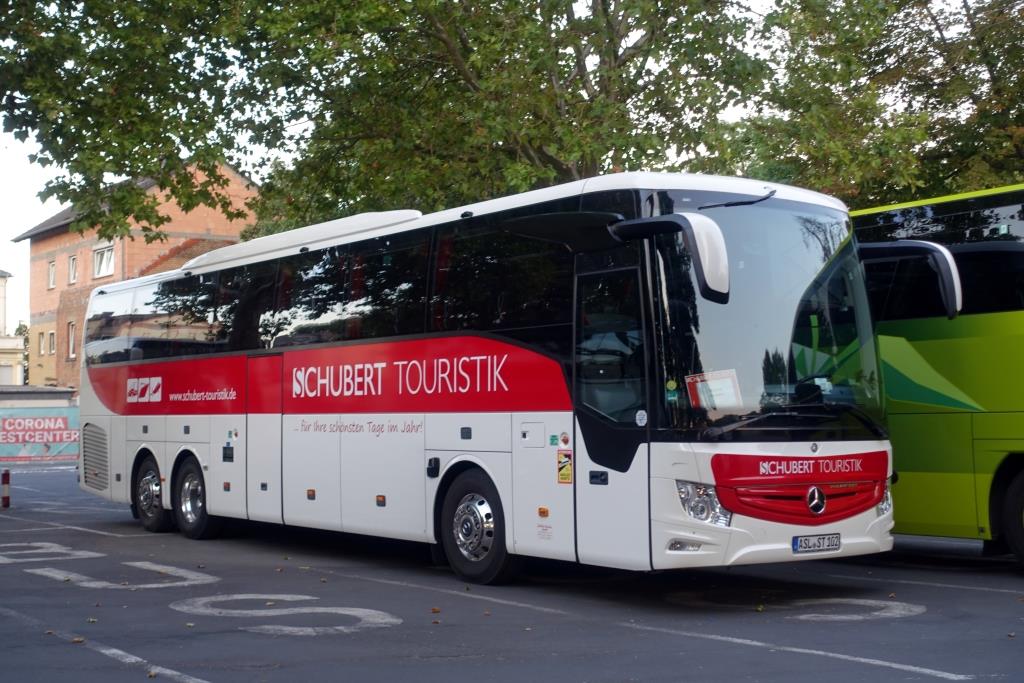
147 497
190 503
473 530
1013 517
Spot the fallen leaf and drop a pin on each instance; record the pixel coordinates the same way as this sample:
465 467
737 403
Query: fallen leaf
270 603
436 621
201 566
189 624
151 674
487 612
279 569
1011 634
892 595
323 580
78 640
435 610
49 632
759 608
91 620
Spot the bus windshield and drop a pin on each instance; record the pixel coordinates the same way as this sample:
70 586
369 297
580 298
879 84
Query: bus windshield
791 356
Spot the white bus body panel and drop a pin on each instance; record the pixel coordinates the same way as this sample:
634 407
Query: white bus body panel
311 471
120 461
263 462
538 482
384 459
747 540
613 528
225 479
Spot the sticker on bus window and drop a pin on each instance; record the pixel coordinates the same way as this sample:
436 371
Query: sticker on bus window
713 390
564 466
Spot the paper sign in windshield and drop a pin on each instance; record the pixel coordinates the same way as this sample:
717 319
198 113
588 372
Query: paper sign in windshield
713 390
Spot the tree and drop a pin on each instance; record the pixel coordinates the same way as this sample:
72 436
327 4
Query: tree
418 104
879 102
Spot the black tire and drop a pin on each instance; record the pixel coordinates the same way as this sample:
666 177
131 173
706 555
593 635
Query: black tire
473 530
190 503
1013 517
147 497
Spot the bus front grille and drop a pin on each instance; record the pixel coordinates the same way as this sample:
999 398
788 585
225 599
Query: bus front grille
95 458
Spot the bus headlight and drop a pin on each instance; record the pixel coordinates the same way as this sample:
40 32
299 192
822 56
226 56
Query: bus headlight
701 503
885 505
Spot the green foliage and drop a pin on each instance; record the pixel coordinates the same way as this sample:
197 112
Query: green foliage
434 103
878 102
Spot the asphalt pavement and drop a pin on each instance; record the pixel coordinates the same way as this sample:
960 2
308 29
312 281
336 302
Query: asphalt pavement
87 595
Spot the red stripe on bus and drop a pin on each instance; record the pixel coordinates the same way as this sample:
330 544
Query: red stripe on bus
446 374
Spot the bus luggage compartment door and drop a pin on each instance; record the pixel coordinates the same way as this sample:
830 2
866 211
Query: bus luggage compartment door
263 429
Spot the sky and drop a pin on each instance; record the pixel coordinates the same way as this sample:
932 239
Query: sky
20 209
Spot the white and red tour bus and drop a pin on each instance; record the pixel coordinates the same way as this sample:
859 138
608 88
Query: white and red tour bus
643 371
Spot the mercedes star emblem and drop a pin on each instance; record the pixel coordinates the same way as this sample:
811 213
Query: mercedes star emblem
815 500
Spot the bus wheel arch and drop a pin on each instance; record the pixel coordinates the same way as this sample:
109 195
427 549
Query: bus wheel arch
1006 504
467 497
188 498
148 492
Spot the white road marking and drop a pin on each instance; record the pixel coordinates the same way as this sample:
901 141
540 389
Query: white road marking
803 651
41 552
106 650
883 609
26 488
930 584
57 525
448 591
188 577
368 618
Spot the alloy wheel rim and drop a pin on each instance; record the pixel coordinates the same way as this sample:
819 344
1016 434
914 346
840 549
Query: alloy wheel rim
473 527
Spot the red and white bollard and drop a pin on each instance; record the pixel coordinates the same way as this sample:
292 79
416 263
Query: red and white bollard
5 484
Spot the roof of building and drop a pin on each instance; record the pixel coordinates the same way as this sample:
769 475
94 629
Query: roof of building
4 273
66 216
32 391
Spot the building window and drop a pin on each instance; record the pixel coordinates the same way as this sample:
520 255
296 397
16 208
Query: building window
103 261
42 344
71 340
51 274
72 269
53 343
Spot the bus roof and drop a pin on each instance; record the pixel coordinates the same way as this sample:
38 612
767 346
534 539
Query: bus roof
937 200
378 224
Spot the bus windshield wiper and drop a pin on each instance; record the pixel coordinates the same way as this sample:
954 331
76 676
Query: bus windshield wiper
739 202
715 433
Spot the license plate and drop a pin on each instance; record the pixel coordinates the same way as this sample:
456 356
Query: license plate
815 544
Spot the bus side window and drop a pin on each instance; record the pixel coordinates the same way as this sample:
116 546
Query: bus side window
388 292
108 328
149 325
610 374
189 305
244 300
310 300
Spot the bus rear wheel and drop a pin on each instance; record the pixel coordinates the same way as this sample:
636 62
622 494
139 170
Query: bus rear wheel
190 503
147 497
1013 517
473 530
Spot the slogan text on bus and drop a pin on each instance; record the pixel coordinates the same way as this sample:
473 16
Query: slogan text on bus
434 376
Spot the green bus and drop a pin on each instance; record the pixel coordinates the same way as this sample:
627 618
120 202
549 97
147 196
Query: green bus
954 383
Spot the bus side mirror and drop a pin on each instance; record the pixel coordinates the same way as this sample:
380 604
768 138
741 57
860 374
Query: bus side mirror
703 238
938 256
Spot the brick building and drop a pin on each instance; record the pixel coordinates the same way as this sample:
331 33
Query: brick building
66 266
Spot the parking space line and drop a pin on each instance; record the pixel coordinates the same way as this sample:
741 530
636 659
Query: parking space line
706 636
930 584
58 525
946 675
106 650
449 591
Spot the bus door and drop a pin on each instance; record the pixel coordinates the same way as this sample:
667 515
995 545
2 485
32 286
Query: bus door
263 432
611 403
